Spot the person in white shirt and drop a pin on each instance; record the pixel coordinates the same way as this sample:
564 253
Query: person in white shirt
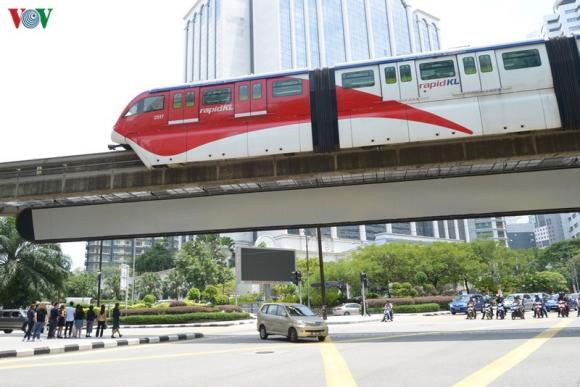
70 319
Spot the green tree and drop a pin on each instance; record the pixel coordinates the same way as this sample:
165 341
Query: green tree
81 284
210 293
174 285
113 283
157 258
29 272
148 283
194 294
545 281
204 261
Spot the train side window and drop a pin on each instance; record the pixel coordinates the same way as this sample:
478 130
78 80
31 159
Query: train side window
243 93
151 104
437 70
390 75
257 91
469 65
485 64
217 96
405 73
189 99
356 79
287 88
177 101
521 59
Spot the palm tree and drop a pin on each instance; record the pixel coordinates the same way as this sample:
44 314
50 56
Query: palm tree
28 272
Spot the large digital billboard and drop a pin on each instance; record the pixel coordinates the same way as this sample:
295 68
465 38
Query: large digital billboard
260 265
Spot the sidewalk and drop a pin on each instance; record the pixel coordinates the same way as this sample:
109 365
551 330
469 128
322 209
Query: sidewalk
11 345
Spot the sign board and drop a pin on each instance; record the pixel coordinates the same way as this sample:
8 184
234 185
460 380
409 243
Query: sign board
265 266
124 276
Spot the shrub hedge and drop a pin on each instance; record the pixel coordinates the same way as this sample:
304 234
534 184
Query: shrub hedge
417 308
442 301
183 318
182 310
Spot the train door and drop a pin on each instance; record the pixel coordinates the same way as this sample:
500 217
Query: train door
470 81
219 135
191 113
258 102
392 110
408 82
242 101
488 71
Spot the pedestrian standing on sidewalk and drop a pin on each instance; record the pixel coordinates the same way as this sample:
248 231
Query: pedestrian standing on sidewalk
79 319
91 316
116 320
52 320
41 318
70 319
101 321
30 320
60 322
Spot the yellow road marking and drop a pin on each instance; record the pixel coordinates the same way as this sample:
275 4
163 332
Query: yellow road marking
148 357
335 368
497 368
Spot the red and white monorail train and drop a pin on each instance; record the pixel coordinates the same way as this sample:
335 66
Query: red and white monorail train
525 86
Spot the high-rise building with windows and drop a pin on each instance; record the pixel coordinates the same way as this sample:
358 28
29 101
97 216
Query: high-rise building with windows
489 229
565 19
238 37
117 252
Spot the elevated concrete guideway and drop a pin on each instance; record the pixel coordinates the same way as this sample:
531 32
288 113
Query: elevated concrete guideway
111 195
116 177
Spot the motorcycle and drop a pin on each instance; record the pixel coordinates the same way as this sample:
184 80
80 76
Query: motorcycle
518 312
501 310
563 309
388 315
471 314
487 311
538 310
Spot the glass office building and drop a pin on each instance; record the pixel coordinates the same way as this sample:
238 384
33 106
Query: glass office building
257 36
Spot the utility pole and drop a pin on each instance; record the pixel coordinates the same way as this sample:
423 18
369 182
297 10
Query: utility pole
100 276
307 270
322 281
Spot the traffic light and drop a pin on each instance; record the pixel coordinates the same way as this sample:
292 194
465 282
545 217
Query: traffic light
296 277
364 279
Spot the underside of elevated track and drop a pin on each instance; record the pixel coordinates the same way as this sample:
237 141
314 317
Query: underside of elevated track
107 195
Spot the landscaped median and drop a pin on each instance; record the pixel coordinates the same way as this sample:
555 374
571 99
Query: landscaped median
420 308
411 304
183 315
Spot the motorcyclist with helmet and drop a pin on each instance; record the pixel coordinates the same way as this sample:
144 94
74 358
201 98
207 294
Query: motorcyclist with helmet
563 298
498 302
471 304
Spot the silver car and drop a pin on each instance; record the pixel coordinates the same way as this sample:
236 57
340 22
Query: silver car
346 309
291 320
11 319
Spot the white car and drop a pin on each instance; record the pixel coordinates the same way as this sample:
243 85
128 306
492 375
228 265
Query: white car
346 309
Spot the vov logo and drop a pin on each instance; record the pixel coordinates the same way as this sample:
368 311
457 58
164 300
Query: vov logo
30 18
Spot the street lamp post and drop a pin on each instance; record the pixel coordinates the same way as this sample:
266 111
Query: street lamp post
100 276
322 282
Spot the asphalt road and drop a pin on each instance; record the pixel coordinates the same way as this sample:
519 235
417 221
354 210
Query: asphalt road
412 351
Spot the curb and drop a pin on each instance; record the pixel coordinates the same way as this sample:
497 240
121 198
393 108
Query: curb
98 345
193 325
